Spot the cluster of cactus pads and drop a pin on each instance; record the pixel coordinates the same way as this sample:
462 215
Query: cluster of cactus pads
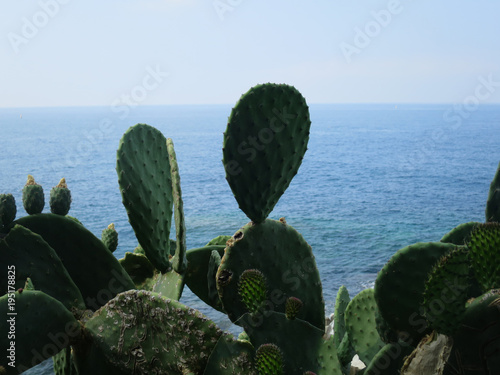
434 305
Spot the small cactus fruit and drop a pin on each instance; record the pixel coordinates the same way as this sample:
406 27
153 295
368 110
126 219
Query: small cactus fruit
60 198
252 289
7 209
110 237
33 199
269 360
292 307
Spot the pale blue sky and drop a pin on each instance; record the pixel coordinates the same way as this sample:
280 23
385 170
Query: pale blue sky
74 52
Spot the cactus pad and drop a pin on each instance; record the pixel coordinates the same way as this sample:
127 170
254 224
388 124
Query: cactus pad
446 292
33 198
148 334
264 143
270 246
400 286
109 237
252 289
139 269
60 198
146 186
219 240
231 357
269 360
361 327
485 255
389 359
460 235
341 303
7 209
493 204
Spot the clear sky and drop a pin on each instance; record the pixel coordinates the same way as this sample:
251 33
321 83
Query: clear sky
75 52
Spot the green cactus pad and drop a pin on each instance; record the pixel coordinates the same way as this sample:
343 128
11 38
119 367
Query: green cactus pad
476 345
169 285
231 357
361 327
42 327
33 258
264 144
386 333
146 186
389 359
198 271
446 292
109 237
60 198
219 240
400 286
493 204
341 303
301 344
269 360
33 198
94 270
268 247
143 333
484 253
7 209
345 353
138 267
292 307
139 250
460 235
179 261
213 266
252 289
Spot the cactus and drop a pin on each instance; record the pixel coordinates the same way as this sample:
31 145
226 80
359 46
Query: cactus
269 360
389 360
219 240
140 270
484 253
60 198
292 307
7 210
273 245
146 186
400 286
252 290
109 237
460 235
492 211
33 198
231 357
361 327
264 143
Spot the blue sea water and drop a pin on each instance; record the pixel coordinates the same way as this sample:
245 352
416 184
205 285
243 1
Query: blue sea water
374 179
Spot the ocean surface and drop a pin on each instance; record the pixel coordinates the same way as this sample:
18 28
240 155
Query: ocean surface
376 178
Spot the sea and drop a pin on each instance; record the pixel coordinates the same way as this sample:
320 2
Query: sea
375 178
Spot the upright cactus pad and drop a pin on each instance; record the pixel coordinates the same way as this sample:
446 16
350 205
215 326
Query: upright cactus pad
41 324
148 334
7 209
400 286
231 357
484 253
446 292
33 198
264 143
493 203
361 327
460 235
60 198
109 237
269 247
341 303
146 185
252 289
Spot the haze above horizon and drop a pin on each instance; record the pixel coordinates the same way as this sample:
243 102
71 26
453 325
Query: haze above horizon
169 52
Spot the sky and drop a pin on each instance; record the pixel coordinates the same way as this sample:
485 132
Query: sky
164 52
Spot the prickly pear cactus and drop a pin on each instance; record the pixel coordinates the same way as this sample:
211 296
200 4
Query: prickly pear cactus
7 209
33 198
460 235
493 203
268 247
231 357
109 237
264 143
484 253
60 198
146 186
